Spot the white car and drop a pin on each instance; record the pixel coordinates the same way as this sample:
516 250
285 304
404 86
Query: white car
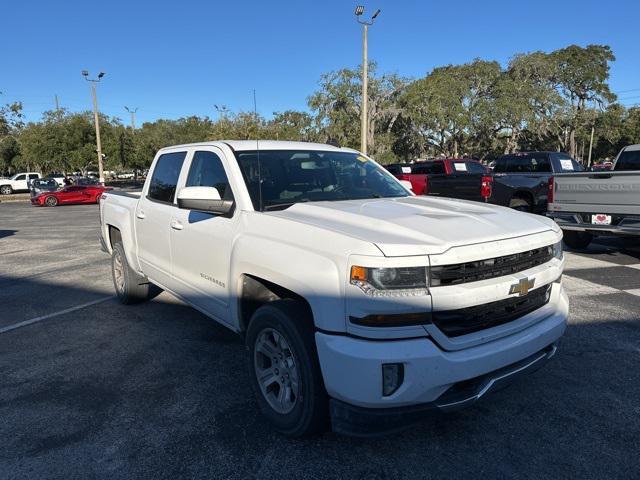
18 183
359 302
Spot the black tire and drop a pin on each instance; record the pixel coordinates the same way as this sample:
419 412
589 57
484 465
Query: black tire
520 204
577 240
6 190
129 285
291 320
51 201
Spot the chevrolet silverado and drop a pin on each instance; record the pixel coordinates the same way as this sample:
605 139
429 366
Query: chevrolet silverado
598 203
362 306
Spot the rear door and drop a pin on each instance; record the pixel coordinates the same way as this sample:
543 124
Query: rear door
153 215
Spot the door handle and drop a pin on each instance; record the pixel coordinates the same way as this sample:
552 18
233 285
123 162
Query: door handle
176 225
140 214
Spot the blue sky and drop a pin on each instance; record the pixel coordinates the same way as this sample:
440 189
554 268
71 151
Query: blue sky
179 58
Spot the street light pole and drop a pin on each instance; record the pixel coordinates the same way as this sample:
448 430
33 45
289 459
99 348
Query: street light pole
133 117
364 123
593 129
94 95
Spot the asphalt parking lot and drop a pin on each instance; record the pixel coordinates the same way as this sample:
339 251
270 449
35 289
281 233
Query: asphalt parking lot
93 389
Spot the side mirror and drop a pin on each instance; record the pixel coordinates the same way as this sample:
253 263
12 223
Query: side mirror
203 199
406 184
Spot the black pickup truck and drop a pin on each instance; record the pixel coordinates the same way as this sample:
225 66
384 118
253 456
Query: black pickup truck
521 180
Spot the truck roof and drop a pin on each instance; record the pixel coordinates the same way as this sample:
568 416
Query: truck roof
243 145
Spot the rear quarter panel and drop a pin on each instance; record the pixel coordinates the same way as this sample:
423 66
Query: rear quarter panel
118 210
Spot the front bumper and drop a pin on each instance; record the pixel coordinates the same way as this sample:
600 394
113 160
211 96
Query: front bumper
360 421
625 224
351 367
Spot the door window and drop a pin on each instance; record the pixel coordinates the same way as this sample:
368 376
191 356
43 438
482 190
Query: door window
429 168
207 171
33 176
162 187
475 167
523 164
629 160
21 177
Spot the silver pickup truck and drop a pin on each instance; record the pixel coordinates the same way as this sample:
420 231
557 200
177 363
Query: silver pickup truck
598 203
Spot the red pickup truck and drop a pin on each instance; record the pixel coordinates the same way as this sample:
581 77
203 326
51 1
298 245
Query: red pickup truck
449 177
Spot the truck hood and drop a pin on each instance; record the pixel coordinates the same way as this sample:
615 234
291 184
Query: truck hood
417 225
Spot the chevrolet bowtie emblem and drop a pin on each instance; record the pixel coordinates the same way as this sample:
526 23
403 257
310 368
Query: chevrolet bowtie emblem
523 286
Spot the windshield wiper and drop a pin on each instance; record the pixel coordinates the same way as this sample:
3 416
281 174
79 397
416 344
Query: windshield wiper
281 206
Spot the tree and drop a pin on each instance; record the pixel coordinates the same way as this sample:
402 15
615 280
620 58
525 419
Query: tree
581 75
451 107
293 125
524 96
337 105
11 120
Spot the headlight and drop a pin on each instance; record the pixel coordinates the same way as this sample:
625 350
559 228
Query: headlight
557 250
403 281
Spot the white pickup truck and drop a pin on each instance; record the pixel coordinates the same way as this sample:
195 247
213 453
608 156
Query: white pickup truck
18 183
359 302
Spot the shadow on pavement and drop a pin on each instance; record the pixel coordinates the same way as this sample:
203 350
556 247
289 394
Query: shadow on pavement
7 233
158 390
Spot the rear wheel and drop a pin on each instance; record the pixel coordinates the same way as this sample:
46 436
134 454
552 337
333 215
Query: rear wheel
6 190
284 369
131 287
577 240
520 204
51 201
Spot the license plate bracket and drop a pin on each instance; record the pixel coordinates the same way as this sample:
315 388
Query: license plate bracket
600 219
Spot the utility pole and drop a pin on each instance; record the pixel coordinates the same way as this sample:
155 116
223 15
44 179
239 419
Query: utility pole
57 104
132 111
364 126
593 128
93 82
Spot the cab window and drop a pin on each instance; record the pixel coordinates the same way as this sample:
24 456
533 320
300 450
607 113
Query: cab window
162 187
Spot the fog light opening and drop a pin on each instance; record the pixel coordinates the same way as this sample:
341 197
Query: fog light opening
392 378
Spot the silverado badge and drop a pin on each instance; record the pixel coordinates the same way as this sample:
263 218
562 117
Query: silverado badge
523 286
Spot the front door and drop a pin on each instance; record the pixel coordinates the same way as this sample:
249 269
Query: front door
201 242
20 182
153 218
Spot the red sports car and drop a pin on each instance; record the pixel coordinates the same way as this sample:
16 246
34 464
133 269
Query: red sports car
70 195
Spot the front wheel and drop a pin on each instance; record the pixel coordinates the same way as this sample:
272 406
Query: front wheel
284 369
51 201
6 190
130 286
577 240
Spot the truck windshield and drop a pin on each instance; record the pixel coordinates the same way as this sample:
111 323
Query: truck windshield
629 160
294 176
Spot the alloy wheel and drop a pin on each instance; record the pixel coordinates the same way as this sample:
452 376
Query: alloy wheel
118 272
276 370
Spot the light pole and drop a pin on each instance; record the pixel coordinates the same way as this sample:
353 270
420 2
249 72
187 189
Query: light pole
93 81
132 111
365 75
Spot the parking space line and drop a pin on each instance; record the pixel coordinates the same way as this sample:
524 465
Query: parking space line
55 314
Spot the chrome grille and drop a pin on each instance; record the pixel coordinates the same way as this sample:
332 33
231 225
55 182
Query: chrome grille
489 268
